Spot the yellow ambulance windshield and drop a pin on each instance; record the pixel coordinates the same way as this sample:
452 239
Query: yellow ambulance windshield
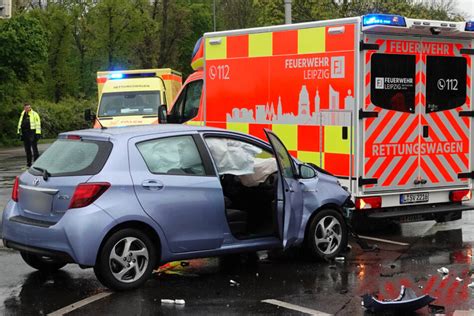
129 103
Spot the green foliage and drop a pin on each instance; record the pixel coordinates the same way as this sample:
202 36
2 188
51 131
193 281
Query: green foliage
66 115
50 51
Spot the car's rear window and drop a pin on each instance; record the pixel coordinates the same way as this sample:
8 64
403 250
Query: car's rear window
73 157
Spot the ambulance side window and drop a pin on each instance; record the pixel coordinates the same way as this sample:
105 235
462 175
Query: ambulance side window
186 106
193 99
392 82
445 83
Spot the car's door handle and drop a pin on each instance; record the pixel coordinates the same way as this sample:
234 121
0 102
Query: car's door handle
152 185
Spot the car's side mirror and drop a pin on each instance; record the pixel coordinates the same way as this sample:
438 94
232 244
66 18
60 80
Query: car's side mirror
306 172
89 116
162 114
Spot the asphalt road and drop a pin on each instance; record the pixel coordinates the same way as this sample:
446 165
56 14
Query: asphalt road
273 283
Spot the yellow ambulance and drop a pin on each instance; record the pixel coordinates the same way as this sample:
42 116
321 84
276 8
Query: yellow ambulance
132 97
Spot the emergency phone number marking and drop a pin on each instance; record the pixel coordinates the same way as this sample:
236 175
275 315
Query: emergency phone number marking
220 72
448 84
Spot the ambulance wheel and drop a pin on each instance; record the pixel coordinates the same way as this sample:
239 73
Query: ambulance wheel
326 236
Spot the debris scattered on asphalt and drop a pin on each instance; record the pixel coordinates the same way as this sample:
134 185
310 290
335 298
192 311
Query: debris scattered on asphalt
262 255
436 309
177 302
167 301
339 259
443 270
234 283
407 301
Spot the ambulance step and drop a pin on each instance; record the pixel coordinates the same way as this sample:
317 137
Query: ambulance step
420 210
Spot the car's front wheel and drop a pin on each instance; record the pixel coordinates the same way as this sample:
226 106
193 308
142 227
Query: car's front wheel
40 263
327 234
126 260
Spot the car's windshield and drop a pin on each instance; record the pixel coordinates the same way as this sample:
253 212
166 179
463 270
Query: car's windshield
129 103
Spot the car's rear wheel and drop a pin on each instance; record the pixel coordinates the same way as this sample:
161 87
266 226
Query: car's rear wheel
327 234
43 264
126 260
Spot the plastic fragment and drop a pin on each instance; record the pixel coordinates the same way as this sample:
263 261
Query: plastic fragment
179 302
471 285
443 270
340 259
458 279
167 301
234 283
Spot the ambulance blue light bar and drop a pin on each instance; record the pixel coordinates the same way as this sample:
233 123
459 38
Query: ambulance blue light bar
116 76
470 26
383 19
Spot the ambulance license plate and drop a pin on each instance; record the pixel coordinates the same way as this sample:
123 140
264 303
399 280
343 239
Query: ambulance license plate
414 198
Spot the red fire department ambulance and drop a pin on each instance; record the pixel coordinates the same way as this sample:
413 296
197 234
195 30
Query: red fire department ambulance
381 101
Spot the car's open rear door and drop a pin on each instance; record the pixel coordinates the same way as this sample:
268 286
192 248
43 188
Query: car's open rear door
290 192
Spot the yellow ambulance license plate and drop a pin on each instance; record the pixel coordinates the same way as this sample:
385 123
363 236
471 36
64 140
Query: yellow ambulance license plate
414 198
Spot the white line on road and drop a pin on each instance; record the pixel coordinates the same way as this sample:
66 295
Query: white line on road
295 307
79 304
385 240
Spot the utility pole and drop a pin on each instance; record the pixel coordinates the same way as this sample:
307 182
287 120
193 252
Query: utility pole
287 11
214 14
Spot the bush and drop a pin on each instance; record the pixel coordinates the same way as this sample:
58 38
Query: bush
67 115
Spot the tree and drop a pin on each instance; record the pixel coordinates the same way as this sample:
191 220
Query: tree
23 49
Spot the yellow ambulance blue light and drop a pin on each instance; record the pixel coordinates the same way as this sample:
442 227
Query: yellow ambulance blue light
116 76
383 19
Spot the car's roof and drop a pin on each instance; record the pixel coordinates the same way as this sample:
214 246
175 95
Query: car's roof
131 131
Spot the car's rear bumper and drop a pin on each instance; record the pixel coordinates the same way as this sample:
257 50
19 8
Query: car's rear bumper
76 237
415 213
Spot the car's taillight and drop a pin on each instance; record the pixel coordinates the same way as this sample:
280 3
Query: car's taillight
461 195
86 193
15 189
368 202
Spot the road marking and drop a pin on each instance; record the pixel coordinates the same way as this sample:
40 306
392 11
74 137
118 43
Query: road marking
80 304
385 240
295 307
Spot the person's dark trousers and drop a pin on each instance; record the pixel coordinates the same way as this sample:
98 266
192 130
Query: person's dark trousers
30 141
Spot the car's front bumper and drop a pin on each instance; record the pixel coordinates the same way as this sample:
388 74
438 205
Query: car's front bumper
76 237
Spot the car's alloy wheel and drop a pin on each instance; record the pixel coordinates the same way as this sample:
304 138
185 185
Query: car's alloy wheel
126 260
327 234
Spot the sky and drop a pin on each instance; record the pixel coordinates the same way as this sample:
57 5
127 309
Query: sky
466 7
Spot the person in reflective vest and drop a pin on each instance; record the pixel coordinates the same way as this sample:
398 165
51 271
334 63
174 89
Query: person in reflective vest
29 130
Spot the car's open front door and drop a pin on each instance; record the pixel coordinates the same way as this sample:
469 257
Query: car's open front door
290 192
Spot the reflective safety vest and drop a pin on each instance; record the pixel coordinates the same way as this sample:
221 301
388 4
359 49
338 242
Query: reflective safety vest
35 122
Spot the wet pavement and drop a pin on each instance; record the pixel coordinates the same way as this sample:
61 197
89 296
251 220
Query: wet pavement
237 285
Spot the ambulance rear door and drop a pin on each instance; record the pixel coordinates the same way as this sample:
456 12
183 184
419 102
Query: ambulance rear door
390 114
445 88
416 127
